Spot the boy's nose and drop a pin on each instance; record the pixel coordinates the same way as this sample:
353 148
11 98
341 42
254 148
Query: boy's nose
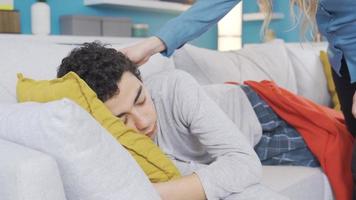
142 123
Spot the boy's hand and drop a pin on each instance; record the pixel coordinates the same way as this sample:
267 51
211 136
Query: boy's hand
141 52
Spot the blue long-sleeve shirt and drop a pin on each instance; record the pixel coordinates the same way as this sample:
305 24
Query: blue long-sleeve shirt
336 21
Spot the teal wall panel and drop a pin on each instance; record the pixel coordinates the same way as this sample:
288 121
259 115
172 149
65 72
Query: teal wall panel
155 19
282 27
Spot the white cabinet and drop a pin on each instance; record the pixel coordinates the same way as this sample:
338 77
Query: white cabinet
260 16
141 4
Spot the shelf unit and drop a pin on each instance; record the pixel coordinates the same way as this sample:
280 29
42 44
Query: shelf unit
141 4
260 16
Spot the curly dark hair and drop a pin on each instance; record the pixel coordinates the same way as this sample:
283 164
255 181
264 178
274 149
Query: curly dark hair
100 67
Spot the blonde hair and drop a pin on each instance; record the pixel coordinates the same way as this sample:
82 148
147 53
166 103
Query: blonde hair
306 16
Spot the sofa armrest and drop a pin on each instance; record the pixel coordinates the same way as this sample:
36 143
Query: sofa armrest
28 174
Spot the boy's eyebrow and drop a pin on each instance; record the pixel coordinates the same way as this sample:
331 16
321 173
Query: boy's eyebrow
137 96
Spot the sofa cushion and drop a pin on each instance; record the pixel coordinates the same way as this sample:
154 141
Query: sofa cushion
256 62
298 182
92 164
311 81
155 164
36 59
28 174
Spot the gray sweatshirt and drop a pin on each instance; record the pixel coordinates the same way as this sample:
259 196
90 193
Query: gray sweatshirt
200 138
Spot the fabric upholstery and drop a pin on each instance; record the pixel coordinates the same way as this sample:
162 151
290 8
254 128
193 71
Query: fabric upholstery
92 165
28 174
258 62
308 71
304 183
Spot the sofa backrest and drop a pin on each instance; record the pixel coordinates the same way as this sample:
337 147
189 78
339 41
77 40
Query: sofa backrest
311 80
294 66
39 58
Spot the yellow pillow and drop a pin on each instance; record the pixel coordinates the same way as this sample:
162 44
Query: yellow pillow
153 162
329 78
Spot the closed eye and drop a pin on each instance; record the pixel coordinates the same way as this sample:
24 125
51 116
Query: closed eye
123 118
141 102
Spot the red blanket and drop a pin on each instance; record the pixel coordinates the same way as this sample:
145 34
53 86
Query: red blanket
322 128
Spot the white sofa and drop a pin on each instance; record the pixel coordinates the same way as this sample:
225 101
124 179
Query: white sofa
29 174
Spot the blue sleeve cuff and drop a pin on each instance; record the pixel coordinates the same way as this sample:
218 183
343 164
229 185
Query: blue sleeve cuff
168 41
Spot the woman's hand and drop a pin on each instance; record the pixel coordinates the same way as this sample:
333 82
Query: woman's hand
187 187
141 52
354 105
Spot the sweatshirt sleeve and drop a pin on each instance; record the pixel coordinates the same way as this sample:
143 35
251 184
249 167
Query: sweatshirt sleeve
235 165
193 22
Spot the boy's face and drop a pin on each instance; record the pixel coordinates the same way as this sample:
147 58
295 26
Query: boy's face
134 105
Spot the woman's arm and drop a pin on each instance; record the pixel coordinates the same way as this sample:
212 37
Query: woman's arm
176 32
193 22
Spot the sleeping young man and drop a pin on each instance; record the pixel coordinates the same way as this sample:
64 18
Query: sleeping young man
208 132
